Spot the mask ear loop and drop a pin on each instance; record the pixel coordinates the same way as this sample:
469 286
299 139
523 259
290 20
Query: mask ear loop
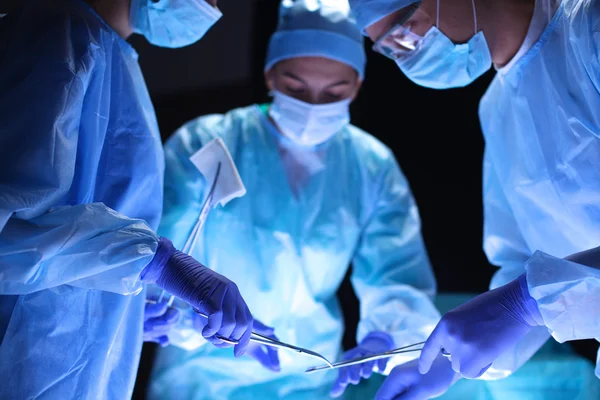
474 15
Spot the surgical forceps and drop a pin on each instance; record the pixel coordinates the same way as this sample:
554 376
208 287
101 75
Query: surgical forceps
267 341
372 357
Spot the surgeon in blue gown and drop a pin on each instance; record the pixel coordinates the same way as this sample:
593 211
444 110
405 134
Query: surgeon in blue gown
321 194
541 123
81 170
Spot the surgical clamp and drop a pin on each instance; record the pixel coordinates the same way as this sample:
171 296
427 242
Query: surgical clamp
372 357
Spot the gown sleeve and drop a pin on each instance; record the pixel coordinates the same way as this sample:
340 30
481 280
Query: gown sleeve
42 245
567 292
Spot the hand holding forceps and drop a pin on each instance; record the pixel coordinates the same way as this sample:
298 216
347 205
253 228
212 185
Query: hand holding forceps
266 341
373 357
190 244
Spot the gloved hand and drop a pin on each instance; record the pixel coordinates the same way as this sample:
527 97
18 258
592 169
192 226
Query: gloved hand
204 289
159 318
267 356
479 331
374 342
405 382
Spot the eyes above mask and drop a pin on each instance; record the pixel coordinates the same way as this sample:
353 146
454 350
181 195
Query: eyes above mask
172 23
308 124
433 60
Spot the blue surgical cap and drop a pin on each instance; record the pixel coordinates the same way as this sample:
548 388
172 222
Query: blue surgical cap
317 28
367 12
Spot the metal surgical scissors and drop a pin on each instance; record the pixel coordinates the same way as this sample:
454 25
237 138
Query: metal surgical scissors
372 357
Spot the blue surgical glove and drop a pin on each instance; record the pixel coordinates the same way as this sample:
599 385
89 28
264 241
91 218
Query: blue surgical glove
267 356
159 318
479 331
204 289
374 342
405 382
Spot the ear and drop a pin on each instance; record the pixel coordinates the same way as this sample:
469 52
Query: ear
270 79
357 88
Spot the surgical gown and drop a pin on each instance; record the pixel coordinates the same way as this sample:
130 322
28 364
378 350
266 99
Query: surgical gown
287 244
81 171
541 123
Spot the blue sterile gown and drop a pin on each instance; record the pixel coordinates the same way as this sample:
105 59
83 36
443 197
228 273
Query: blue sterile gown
307 214
541 122
81 171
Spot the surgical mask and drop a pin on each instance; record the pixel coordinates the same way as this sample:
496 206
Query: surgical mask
172 23
308 124
438 63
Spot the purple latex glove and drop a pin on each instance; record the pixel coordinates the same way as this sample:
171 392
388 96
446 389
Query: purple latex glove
405 382
479 331
267 356
204 289
374 342
159 318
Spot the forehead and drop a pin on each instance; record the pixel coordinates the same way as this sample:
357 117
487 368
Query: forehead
317 67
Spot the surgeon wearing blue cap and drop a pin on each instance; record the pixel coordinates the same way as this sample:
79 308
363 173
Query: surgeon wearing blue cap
321 194
541 122
81 194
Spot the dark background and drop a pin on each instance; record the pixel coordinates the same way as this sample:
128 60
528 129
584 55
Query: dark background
435 136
